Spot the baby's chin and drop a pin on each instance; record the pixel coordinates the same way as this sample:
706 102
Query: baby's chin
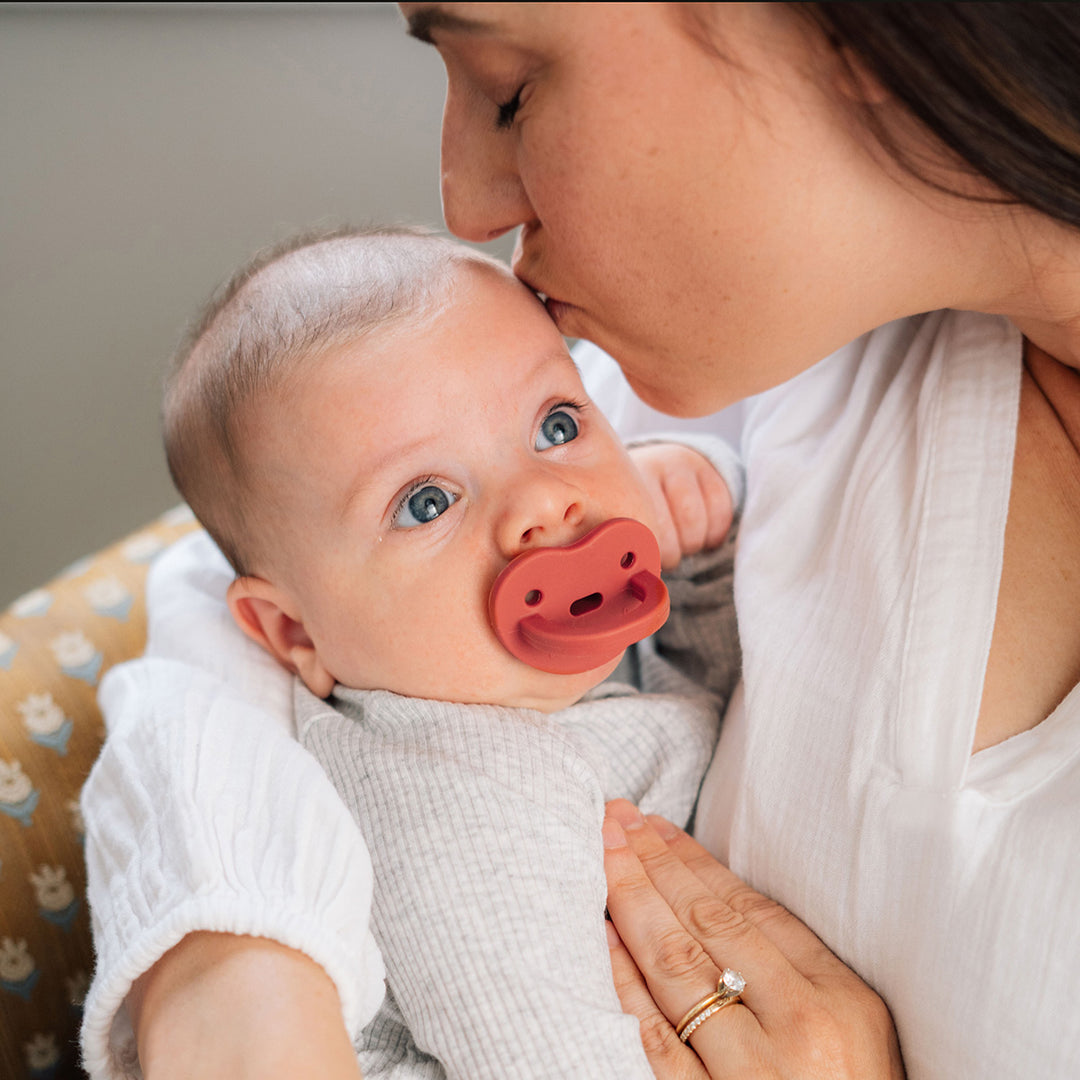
548 693
524 687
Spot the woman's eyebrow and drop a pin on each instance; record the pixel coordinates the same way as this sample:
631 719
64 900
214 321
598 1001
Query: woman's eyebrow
424 22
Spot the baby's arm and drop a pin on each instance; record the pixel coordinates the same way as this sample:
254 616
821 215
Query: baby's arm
698 478
228 1007
204 814
484 825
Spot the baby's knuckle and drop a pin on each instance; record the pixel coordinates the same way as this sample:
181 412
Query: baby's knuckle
688 507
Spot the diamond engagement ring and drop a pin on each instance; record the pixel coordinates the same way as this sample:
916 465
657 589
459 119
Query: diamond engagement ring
728 991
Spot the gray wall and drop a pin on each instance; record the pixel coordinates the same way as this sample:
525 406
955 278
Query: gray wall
145 151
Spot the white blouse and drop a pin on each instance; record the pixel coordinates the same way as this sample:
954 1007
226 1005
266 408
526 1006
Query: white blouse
844 785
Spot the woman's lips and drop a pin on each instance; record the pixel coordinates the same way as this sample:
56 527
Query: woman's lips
558 309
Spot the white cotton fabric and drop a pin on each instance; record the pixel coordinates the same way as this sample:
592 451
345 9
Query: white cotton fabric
844 785
204 813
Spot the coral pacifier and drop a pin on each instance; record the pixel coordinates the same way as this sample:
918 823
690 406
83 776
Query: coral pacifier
572 609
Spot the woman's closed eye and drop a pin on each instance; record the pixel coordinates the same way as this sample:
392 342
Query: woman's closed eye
558 427
422 503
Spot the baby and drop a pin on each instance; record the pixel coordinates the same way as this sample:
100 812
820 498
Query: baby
373 426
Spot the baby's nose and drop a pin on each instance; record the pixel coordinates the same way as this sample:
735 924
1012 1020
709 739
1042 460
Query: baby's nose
542 515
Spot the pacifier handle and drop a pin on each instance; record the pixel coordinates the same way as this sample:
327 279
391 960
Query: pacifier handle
568 610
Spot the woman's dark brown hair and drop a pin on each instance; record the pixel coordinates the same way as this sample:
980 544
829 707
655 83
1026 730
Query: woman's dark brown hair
998 84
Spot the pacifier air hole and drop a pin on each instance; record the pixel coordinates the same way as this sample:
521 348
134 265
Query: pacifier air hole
628 560
533 597
583 605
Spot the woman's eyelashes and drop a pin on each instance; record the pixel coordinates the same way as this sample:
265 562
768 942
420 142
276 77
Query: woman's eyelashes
423 502
558 427
508 111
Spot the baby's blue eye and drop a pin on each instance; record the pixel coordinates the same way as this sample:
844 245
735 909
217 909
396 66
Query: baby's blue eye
558 427
423 505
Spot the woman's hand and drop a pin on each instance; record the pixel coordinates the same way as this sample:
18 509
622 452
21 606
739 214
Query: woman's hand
691 502
680 918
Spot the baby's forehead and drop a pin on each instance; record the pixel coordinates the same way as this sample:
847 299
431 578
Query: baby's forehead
427 330
476 334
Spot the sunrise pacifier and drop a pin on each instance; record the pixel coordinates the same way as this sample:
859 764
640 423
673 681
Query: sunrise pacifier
571 609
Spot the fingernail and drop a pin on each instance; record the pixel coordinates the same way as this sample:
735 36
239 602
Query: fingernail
614 837
626 814
664 827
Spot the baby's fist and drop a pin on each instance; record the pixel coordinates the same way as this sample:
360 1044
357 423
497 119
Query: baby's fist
691 501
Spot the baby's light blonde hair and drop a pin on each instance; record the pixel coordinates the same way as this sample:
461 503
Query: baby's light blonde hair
284 308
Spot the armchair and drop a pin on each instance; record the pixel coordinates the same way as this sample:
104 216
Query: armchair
55 644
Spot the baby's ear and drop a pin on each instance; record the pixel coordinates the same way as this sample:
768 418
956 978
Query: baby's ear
266 614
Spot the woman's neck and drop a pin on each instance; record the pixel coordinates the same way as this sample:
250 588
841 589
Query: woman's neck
1041 295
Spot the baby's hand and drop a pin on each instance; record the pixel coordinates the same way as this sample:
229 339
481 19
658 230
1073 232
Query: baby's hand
692 503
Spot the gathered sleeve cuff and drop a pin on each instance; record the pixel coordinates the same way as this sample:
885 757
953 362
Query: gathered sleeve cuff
204 813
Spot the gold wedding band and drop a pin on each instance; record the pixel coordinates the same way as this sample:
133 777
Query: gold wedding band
699 1018
728 992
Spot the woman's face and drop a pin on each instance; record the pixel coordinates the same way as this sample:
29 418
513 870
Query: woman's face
692 193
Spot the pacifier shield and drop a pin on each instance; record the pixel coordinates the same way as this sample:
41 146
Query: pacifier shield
571 609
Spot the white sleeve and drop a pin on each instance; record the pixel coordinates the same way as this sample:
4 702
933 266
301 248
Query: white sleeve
203 812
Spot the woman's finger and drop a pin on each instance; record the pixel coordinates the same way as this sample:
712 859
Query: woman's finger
675 917
681 933
804 949
677 969
669 1057
730 1042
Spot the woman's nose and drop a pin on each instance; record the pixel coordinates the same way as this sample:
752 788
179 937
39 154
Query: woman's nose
482 193
548 512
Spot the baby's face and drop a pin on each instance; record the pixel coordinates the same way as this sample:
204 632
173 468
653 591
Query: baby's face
410 467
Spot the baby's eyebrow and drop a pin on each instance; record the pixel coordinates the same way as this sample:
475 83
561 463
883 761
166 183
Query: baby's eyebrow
370 472
423 23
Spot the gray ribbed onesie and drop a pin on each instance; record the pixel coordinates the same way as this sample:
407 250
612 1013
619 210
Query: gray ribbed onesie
484 829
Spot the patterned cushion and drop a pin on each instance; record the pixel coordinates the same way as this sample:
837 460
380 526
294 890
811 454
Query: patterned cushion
55 644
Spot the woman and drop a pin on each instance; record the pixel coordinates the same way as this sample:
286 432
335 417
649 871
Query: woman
719 196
